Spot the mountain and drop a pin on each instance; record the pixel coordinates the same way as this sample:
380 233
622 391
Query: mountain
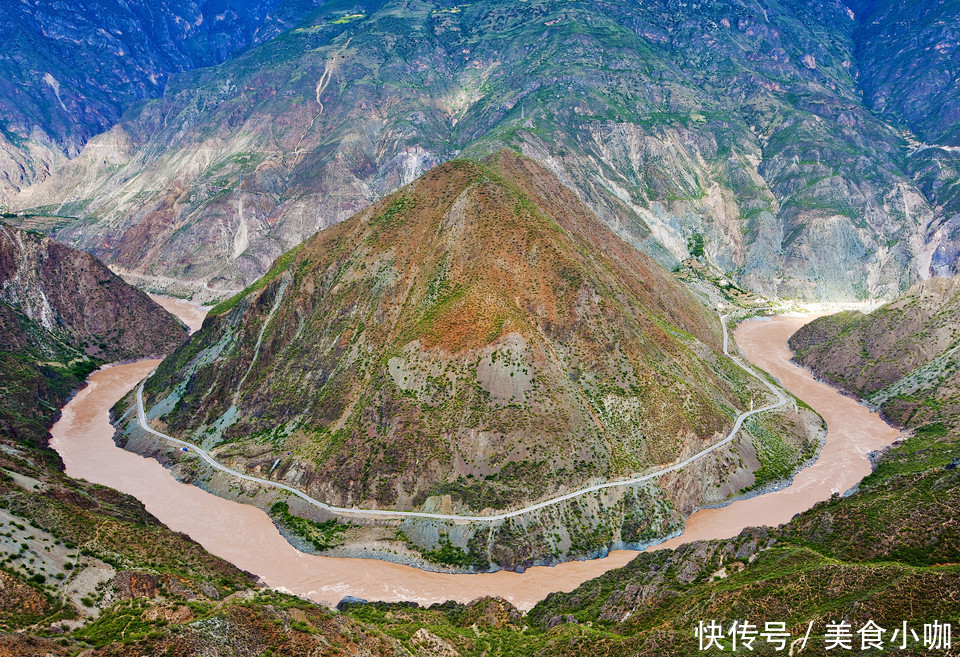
68 71
476 340
76 299
741 124
904 357
63 314
909 75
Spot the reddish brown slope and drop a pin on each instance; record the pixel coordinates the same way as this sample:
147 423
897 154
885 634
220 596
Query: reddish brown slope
479 333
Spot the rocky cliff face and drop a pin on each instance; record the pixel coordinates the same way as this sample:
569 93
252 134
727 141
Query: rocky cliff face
743 124
908 56
62 314
477 340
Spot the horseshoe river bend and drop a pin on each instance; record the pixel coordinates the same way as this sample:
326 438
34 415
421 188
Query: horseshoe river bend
246 536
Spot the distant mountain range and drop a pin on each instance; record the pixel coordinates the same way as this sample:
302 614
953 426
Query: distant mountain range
812 145
70 70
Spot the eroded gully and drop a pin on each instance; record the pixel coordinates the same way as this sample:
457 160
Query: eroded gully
245 535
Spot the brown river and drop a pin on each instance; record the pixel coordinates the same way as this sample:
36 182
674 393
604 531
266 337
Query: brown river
245 535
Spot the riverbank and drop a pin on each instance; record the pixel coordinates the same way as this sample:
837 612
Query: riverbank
854 432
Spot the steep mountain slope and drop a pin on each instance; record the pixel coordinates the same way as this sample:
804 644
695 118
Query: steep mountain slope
740 123
75 298
904 357
69 70
937 172
69 548
477 340
63 313
908 55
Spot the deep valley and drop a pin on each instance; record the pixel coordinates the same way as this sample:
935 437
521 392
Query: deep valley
512 327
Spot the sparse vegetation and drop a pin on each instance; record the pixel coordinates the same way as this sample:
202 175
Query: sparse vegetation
321 535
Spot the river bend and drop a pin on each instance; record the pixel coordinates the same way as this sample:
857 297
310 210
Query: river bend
245 535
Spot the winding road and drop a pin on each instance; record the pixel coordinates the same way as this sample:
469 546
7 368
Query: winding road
380 513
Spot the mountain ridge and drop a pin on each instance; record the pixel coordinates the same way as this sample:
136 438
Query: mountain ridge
743 126
902 356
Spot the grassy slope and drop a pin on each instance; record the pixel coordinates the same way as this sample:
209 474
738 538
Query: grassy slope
47 513
866 354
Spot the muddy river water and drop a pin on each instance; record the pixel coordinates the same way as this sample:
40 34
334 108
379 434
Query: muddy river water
245 535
